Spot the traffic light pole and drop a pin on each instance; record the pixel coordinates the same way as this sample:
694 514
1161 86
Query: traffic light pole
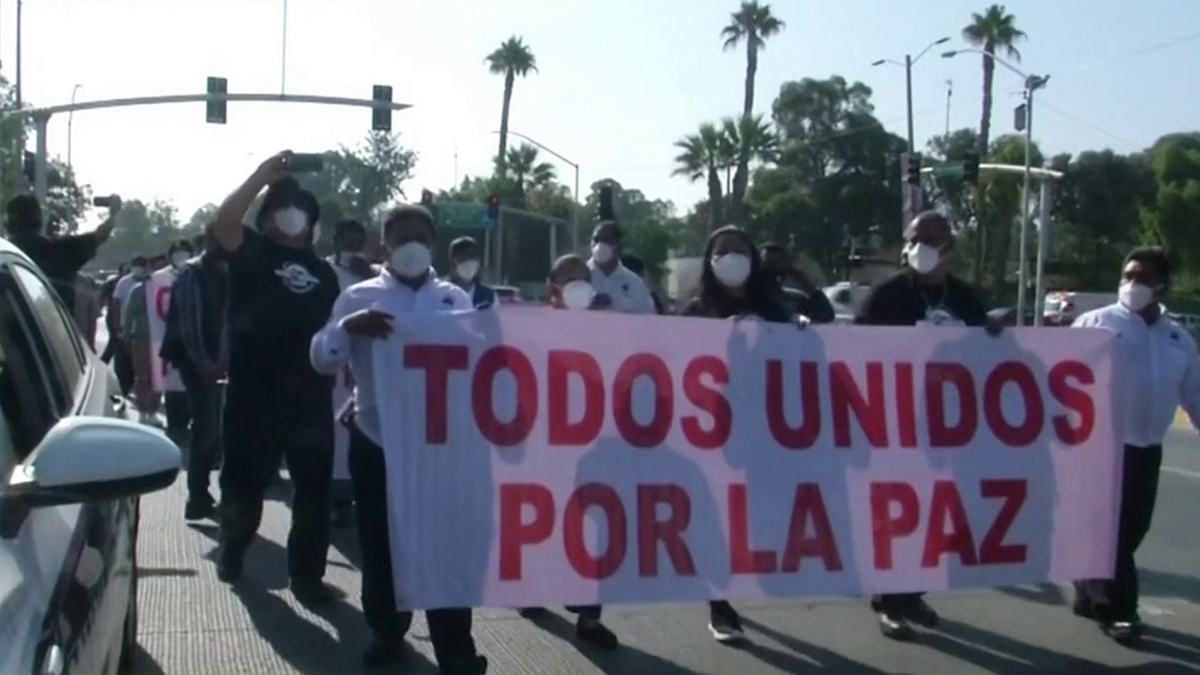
41 116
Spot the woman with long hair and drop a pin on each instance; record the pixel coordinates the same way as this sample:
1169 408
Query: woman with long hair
734 284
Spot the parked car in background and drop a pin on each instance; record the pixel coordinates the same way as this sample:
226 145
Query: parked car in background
1063 307
72 465
508 295
846 298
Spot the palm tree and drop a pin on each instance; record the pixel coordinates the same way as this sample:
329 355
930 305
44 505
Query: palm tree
754 141
528 172
511 59
752 24
994 29
700 159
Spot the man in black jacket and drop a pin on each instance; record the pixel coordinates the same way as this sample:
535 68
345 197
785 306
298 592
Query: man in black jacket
197 345
925 294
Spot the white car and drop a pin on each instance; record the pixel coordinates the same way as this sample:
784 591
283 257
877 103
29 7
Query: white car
71 467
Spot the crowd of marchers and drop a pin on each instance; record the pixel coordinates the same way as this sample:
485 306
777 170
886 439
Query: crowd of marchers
257 327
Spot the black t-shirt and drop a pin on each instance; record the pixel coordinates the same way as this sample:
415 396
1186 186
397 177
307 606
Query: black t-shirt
279 297
60 259
901 301
815 305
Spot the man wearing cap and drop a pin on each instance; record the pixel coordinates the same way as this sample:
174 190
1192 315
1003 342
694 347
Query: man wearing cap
276 405
363 313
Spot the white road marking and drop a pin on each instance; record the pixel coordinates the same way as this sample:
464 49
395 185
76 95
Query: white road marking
1186 473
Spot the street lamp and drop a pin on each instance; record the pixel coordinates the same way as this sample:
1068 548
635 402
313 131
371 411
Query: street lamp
909 61
1032 84
70 121
575 210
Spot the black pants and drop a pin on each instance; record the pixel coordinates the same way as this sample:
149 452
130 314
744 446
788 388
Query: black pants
1139 490
262 427
179 415
895 603
449 629
205 400
122 364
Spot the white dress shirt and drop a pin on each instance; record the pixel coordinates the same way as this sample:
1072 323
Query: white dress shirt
332 347
627 290
1156 371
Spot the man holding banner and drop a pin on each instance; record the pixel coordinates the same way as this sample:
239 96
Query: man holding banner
363 315
926 294
1158 372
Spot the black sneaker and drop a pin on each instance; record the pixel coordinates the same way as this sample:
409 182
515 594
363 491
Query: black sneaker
1123 632
471 665
724 623
922 614
1084 608
199 509
895 627
595 633
532 612
315 592
383 651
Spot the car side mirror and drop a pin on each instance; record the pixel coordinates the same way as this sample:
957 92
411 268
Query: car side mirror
84 459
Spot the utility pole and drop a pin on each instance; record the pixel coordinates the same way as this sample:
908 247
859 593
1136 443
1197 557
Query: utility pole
1032 84
949 92
283 58
908 94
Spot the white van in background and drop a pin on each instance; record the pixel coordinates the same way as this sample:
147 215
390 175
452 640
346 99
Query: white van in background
1063 307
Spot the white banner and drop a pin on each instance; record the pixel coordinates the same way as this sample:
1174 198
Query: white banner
583 457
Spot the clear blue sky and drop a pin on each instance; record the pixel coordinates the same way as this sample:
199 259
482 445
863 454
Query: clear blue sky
619 80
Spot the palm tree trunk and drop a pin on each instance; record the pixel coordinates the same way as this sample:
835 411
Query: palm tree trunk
985 120
715 206
751 71
501 161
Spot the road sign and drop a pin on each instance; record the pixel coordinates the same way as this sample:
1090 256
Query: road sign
463 216
953 170
215 106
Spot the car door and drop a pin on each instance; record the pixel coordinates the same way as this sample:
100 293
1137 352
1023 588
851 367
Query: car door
74 563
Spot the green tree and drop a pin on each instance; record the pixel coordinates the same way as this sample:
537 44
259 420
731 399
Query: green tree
998 208
958 200
993 30
1170 217
511 59
700 159
754 142
528 173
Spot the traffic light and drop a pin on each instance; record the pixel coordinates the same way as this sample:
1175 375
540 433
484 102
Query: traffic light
912 168
426 198
215 106
381 118
971 168
493 209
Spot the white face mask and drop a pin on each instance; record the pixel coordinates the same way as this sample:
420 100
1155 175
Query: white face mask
923 258
180 258
578 294
411 260
291 221
467 269
1135 296
731 269
601 253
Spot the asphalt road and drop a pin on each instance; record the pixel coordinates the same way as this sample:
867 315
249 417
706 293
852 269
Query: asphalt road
191 623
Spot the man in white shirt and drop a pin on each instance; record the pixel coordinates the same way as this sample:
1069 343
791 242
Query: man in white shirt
1158 372
617 288
362 313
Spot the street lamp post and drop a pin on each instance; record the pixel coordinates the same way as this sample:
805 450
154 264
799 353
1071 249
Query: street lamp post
1032 84
70 123
909 62
575 210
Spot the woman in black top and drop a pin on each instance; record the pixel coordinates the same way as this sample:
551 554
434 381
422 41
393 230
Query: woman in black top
734 284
